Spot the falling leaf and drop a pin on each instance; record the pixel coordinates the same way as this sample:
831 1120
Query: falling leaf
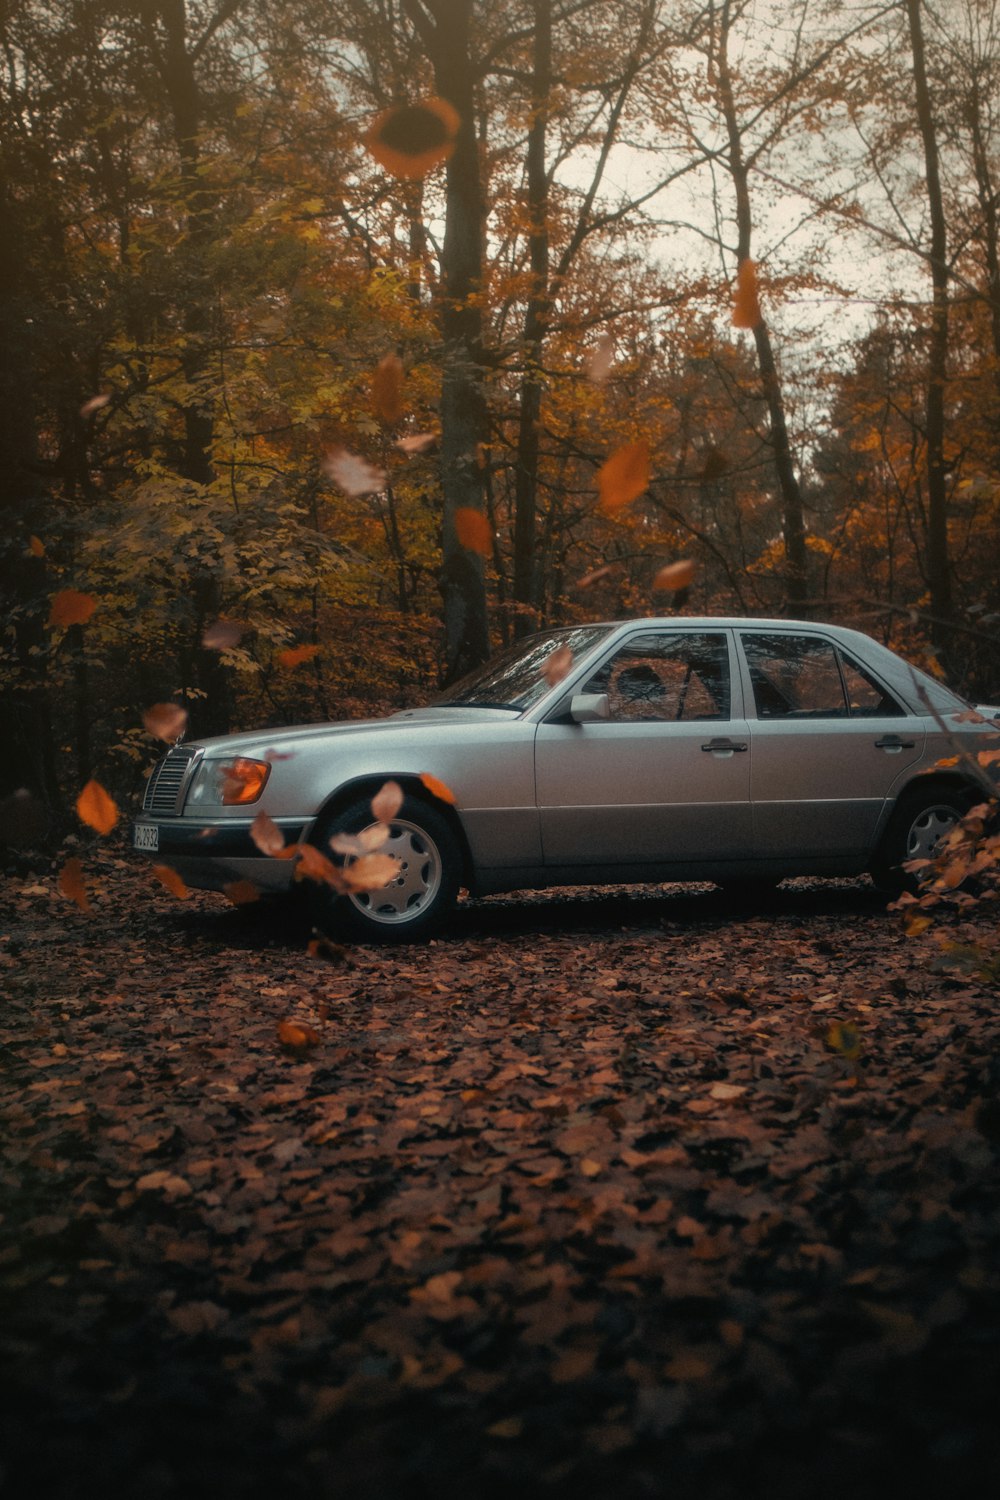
674 576
93 405
36 546
473 531
387 389
437 788
296 655
596 576
746 304
95 808
624 477
266 834
599 364
371 872
843 1037
917 925
969 716
222 635
165 721
171 881
331 953
241 892
988 757
557 665
312 865
946 762
72 884
354 845
387 801
297 1035
70 607
419 442
409 140
354 475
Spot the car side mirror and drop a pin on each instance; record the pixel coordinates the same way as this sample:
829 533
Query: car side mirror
589 708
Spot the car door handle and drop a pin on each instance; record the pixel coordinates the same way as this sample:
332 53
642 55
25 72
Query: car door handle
724 744
893 742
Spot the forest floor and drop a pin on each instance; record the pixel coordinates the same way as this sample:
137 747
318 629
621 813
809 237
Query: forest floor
630 1194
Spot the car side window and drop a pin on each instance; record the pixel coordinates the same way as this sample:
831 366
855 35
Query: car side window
866 698
666 677
795 676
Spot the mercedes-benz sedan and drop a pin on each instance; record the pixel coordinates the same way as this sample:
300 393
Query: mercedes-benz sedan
738 751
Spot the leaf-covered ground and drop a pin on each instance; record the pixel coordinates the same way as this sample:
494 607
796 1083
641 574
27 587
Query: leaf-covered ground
630 1195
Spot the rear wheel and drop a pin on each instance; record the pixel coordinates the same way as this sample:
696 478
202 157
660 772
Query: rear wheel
919 822
415 902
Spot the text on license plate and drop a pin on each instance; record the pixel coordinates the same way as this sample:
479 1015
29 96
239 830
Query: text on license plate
145 837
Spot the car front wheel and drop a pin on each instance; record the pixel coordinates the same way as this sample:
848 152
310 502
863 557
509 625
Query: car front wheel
415 902
920 821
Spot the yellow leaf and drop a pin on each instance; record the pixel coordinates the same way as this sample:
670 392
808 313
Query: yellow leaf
95 808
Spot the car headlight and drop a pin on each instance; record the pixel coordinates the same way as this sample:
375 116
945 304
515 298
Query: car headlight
229 783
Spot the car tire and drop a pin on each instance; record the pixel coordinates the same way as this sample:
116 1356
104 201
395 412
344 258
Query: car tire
920 819
413 906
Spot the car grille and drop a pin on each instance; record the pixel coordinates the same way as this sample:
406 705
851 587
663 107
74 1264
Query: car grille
168 782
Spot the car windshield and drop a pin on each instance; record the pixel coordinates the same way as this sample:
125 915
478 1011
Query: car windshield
515 679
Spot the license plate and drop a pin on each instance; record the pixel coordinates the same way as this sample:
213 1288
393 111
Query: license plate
146 837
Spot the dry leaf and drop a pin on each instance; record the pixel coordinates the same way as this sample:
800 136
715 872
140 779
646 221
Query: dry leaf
599 364
296 655
596 576
36 546
165 721
969 716
241 892
95 808
72 884
746 305
94 404
70 607
437 788
473 531
674 576
312 865
171 881
557 665
354 475
419 442
409 140
297 1034
387 389
988 757
371 872
222 635
387 801
624 477
266 834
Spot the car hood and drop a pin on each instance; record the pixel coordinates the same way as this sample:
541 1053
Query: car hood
277 741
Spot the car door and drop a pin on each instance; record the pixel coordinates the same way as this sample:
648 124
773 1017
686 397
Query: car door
666 778
828 744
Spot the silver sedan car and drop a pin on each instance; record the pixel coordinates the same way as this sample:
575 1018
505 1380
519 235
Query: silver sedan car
738 751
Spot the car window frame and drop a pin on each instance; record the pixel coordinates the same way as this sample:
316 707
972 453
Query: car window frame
559 712
839 650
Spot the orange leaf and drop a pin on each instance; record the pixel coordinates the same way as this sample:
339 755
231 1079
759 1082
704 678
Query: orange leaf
296 655
438 789
387 801
674 576
171 881
746 305
988 757
946 762
241 892
95 808
916 926
371 872
473 531
165 721
624 477
297 1035
387 389
596 575
557 665
266 834
313 865
72 885
418 442
409 140
36 546
70 607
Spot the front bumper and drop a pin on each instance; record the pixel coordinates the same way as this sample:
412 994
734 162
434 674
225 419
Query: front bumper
208 856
